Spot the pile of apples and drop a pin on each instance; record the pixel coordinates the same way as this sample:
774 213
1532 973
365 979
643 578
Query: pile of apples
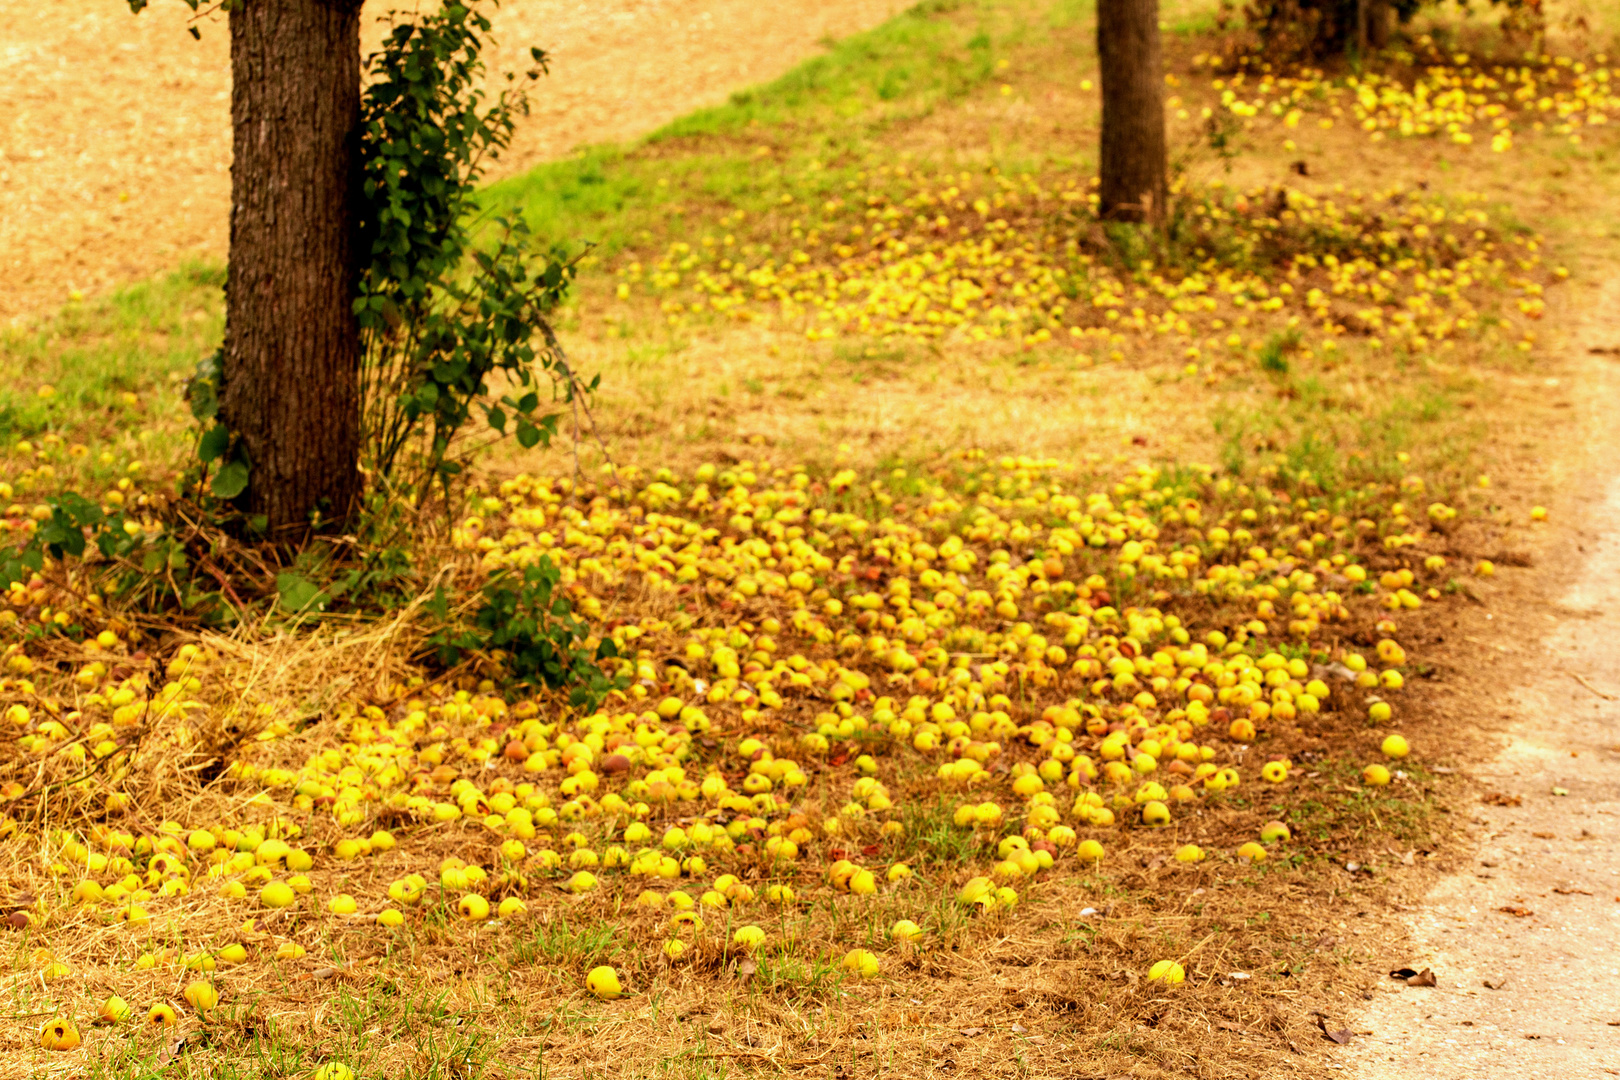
801 657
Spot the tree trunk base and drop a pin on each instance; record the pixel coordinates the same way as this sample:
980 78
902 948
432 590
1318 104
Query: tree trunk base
1133 158
290 379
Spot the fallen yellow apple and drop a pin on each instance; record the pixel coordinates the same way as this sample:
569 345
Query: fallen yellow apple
603 981
1167 971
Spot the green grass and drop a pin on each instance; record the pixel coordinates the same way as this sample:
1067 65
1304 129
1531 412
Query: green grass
560 943
931 835
914 60
107 373
92 354
795 978
804 134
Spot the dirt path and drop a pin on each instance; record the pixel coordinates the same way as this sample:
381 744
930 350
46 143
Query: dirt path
115 130
1525 942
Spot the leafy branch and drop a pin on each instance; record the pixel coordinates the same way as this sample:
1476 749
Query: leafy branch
531 627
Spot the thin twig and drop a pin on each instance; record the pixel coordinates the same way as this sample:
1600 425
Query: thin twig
1582 680
576 399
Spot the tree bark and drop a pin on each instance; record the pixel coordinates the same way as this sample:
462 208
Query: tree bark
290 380
1133 145
1378 23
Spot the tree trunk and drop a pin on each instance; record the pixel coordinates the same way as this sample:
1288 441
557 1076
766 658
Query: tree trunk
290 381
1378 23
1133 152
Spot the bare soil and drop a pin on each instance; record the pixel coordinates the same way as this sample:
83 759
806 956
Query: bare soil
115 129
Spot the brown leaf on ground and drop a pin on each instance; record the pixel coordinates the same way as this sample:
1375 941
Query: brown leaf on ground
1518 911
1338 1035
1497 798
1413 977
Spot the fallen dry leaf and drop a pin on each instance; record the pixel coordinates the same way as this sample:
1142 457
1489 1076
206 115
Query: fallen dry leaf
1499 984
1544 835
1498 798
1412 977
970 1032
173 1050
1571 892
1518 911
1338 1035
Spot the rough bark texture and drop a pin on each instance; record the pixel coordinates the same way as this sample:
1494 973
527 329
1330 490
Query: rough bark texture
1133 150
292 345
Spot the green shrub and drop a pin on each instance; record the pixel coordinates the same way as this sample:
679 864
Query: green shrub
532 627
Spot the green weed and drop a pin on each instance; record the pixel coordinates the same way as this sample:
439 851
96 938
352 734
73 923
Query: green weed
560 943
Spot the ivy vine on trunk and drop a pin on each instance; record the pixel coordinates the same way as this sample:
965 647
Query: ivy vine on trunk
452 306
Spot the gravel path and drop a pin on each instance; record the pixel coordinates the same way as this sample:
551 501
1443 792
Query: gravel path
115 129
1525 943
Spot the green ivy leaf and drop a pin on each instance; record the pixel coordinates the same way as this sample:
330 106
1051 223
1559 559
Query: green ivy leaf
215 441
203 391
298 593
439 606
231 480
